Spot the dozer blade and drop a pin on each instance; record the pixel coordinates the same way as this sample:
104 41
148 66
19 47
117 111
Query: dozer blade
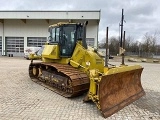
119 90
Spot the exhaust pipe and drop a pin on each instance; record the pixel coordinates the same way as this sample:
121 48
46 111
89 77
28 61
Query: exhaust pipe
84 43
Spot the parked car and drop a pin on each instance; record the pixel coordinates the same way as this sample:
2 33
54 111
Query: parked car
111 57
31 51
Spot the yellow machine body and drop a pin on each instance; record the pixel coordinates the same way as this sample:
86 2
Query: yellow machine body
111 88
86 58
33 56
51 52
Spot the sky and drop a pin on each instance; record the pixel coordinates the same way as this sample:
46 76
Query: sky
141 16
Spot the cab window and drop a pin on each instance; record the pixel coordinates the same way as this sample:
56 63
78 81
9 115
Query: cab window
55 34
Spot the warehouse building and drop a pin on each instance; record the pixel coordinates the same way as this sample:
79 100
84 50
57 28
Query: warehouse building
21 29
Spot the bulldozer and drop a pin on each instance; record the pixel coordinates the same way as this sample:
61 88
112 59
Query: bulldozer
70 68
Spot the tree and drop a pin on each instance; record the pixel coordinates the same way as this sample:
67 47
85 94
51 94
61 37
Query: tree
114 45
149 44
129 44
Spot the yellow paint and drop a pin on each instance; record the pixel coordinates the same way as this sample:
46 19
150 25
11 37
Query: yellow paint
51 52
87 58
61 61
60 24
33 56
114 70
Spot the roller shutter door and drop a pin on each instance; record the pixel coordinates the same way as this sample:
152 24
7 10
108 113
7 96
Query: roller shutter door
15 46
90 41
0 45
36 41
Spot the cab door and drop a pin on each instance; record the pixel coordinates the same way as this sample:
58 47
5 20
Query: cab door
68 41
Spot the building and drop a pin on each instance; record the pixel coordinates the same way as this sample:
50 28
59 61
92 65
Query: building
19 29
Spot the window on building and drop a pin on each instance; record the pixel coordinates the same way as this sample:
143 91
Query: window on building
90 42
36 41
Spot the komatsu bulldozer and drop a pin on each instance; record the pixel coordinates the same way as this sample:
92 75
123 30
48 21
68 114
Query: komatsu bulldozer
70 68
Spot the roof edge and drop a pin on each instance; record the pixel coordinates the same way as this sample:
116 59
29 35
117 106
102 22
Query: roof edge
50 10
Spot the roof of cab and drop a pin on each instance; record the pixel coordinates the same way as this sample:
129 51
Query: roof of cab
61 23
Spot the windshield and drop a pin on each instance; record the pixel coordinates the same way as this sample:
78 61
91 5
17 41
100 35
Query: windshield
68 33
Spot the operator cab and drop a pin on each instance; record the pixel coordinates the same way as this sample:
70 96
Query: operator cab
66 36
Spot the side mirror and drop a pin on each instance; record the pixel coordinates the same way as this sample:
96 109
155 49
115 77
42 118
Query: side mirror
49 38
86 22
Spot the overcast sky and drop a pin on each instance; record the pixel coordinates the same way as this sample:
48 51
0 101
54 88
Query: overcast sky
141 16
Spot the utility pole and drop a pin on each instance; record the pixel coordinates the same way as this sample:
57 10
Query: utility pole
122 19
107 49
122 40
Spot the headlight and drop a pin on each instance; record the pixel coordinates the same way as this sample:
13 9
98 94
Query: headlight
88 63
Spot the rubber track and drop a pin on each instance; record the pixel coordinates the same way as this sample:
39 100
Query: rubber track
79 79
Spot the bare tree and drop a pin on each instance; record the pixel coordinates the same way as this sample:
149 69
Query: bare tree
149 44
114 45
129 43
102 44
146 48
